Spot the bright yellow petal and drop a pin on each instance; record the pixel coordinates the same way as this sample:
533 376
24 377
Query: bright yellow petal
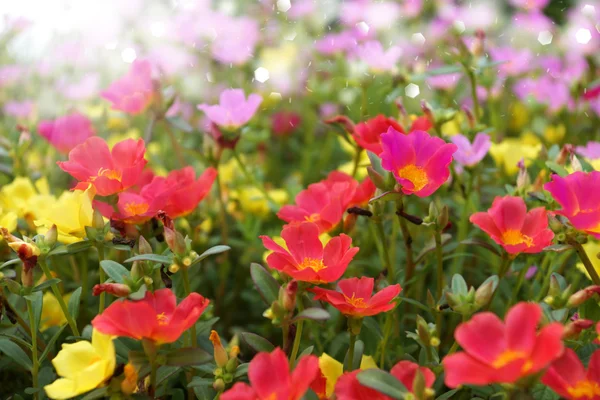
91 377
332 369
367 362
73 358
106 350
61 389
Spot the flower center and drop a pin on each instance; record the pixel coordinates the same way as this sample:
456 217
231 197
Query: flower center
509 356
513 237
357 302
162 319
416 175
312 263
585 388
136 208
110 174
312 217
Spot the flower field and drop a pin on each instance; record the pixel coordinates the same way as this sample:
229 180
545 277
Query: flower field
300 199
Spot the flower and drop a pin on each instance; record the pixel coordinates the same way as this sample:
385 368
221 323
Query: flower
568 377
418 161
355 298
157 317
497 352
331 370
378 59
325 202
83 366
510 225
71 213
577 193
19 109
349 388
133 208
25 198
234 39
591 150
307 260
52 314
108 171
66 132
180 189
591 247
270 378
511 151
285 122
469 154
233 109
133 92
367 134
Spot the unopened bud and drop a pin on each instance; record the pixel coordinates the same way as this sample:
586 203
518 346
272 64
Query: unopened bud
574 328
580 297
350 222
478 45
443 218
173 268
523 180
554 289
220 353
234 351
342 120
549 300
376 178
27 276
129 384
418 384
423 330
427 111
289 295
143 246
219 385
51 236
175 241
269 313
564 154
148 281
116 289
575 163
187 261
232 365
429 393
434 342
484 293
97 220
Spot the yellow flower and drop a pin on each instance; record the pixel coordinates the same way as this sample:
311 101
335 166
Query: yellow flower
452 127
592 248
8 220
554 134
229 170
332 369
94 111
361 172
519 116
71 214
510 151
83 366
253 201
52 314
26 199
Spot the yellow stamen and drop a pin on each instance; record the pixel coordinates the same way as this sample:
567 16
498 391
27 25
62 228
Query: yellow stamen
162 319
514 237
416 175
312 217
357 302
312 263
110 173
508 356
136 208
584 389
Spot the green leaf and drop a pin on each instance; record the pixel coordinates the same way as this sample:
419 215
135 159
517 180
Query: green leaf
46 284
15 353
314 313
58 250
430 247
241 370
73 306
38 304
51 342
256 342
138 294
481 243
210 252
542 392
115 271
188 356
78 246
267 286
13 286
558 169
376 163
448 394
180 123
359 348
383 382
10 262
203 382
99 393
310 395
151 257
307 351
558 248
459 286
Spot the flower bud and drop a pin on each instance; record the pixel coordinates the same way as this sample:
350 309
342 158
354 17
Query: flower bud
51 236
175 241
423 330
148 281
580 297
235 350
484 293
574 328
289 295
554 289
575 163
27 251
27 276
187 261
443 218
173 268
129 384
478 45
219 385
350 222
97 220
342 120
116 289
232 365
376 178
220 353
143 246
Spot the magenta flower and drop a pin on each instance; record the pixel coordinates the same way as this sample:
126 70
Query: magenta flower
235 39
591 150
233 109
530 5
418 161
336 43
470 154
19 109
66 132
134 92
378 59
515 61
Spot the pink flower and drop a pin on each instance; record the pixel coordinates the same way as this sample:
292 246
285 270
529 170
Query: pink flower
66 132
233 109
378 59
469 154
579 196
530 4
419 162
514 62
336 43
235 39
568 377
134 92
591 150
19 109
503 352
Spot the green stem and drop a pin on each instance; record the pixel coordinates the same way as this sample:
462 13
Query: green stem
34 348
299 326
589 267
151 350
441 281
358 151
455 344
349 366
222 206
473 81
410 265
252 180
504 267
463 225
187 289
59 298
386 255
85 283
517 287
101 276
386 335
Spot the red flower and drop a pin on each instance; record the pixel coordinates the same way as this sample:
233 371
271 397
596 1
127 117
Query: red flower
180 189
355 299
285 122
157 317
497 352
349 388
510 225
325 202
109 171
137 209
270 378
305 258
368 134
568 377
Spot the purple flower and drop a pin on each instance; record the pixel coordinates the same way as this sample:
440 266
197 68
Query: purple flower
531 271
378 59
591 150
336 43
19 109
515 62
470 154
233 109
